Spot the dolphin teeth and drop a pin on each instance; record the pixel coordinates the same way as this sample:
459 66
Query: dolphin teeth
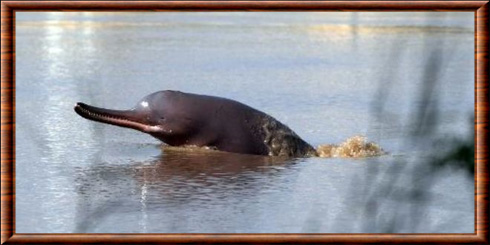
103 116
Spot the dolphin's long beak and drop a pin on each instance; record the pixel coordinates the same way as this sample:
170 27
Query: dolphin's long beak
121 118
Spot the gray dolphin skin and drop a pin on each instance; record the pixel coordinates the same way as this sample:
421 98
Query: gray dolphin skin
180 119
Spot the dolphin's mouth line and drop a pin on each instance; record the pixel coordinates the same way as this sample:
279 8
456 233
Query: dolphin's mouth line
101 116
114 120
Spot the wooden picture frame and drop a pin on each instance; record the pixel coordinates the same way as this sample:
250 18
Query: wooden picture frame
9 8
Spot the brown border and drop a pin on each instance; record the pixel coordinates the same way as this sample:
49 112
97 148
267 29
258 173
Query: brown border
8 8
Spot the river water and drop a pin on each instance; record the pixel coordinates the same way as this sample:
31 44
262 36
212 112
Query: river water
403 80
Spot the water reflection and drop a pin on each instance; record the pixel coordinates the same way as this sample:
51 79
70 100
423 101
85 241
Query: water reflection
175 181
316 72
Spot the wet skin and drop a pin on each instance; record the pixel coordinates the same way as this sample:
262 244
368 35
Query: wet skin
179 119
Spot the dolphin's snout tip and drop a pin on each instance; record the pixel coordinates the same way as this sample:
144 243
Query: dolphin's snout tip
78 107
79 104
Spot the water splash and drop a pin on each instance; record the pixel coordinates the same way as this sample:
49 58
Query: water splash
353 147
190 148
356 146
